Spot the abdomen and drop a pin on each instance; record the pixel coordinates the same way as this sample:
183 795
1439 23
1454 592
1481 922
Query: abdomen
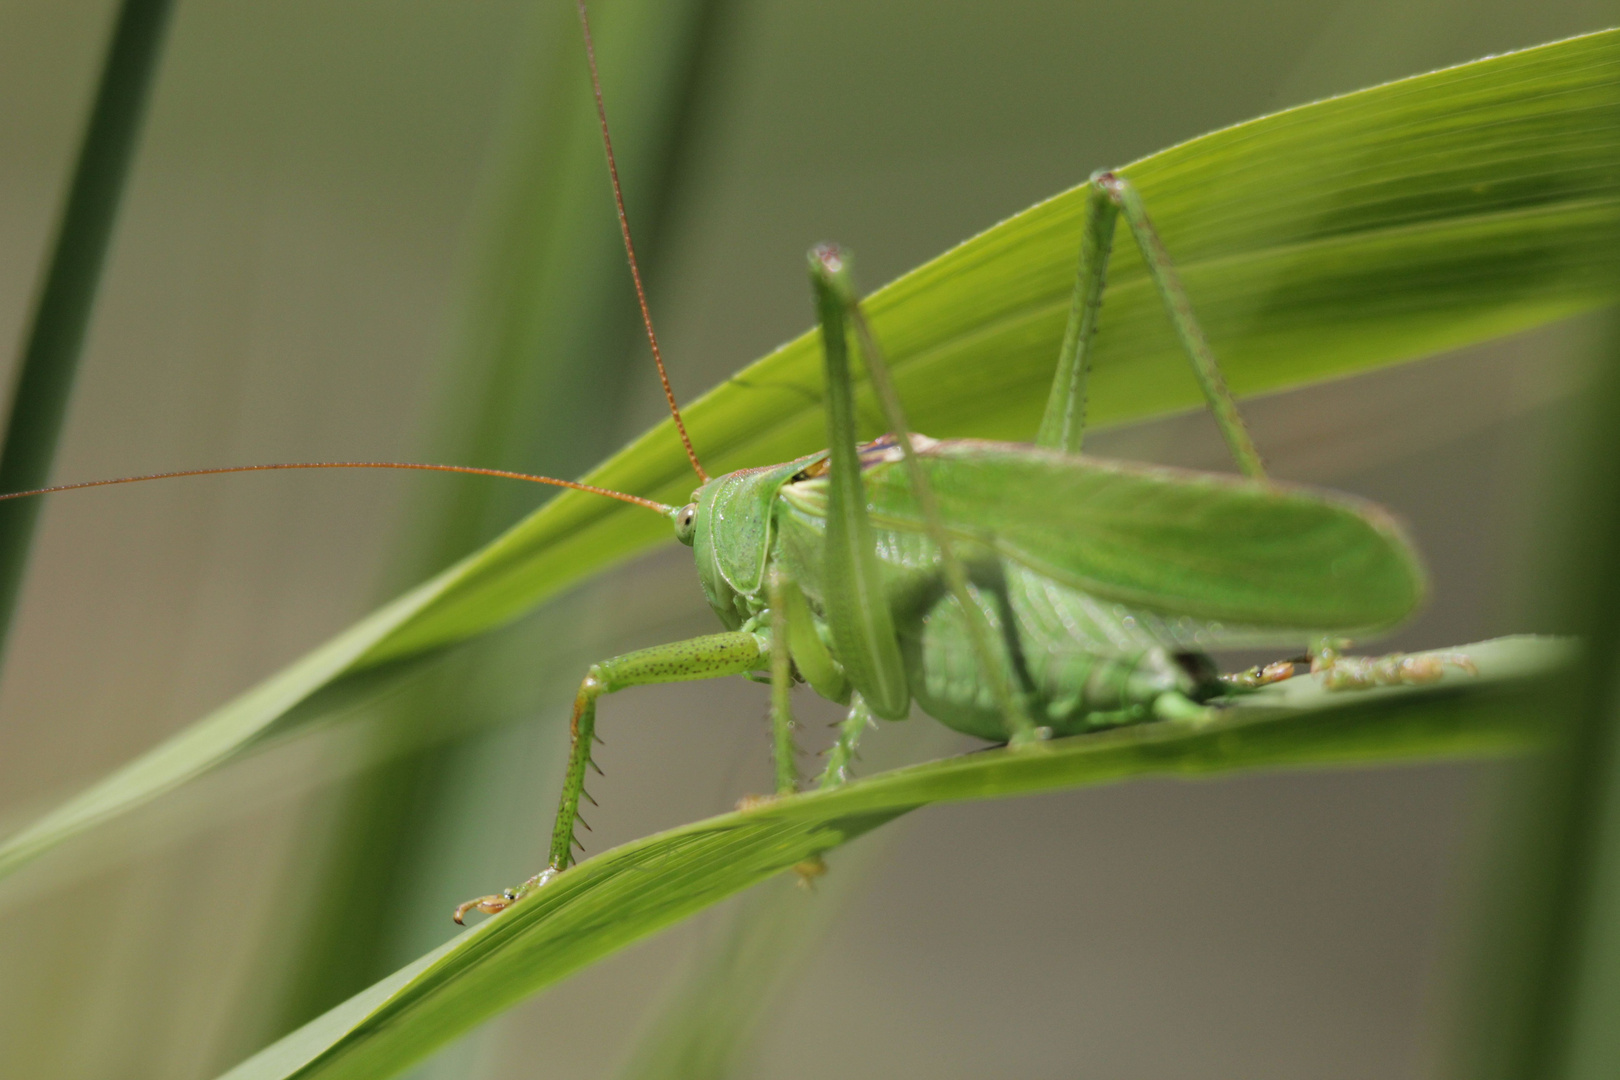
1083 664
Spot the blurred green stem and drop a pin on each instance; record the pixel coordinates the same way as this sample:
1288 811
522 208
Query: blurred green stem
1549 988
537 370
67 297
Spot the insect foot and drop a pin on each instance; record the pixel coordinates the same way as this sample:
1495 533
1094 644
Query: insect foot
491 905
1396 669
809 870
1258 676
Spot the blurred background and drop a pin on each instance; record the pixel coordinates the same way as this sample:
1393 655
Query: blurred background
364 230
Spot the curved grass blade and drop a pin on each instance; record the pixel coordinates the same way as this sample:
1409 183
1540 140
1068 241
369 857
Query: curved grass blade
1317 242
611 900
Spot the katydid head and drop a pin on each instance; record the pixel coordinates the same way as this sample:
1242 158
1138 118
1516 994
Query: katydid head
730 525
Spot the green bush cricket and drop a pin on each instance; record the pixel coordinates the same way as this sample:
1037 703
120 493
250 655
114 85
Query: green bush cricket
1013 592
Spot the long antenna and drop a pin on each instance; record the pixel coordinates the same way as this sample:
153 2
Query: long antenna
629 246
469 470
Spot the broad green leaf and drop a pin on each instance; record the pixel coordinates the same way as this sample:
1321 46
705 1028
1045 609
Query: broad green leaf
1317 242
622 895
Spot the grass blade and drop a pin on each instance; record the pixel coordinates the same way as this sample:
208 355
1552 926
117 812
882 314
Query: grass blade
611 900
1318 242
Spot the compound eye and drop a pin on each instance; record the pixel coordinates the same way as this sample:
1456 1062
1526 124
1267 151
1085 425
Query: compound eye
686 523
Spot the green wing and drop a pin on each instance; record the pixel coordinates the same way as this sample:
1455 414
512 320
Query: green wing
1204 545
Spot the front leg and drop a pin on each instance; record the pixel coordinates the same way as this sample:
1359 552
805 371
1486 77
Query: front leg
705 657
783 747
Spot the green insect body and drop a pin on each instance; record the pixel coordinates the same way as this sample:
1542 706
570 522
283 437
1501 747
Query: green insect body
1103 581
1013 592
